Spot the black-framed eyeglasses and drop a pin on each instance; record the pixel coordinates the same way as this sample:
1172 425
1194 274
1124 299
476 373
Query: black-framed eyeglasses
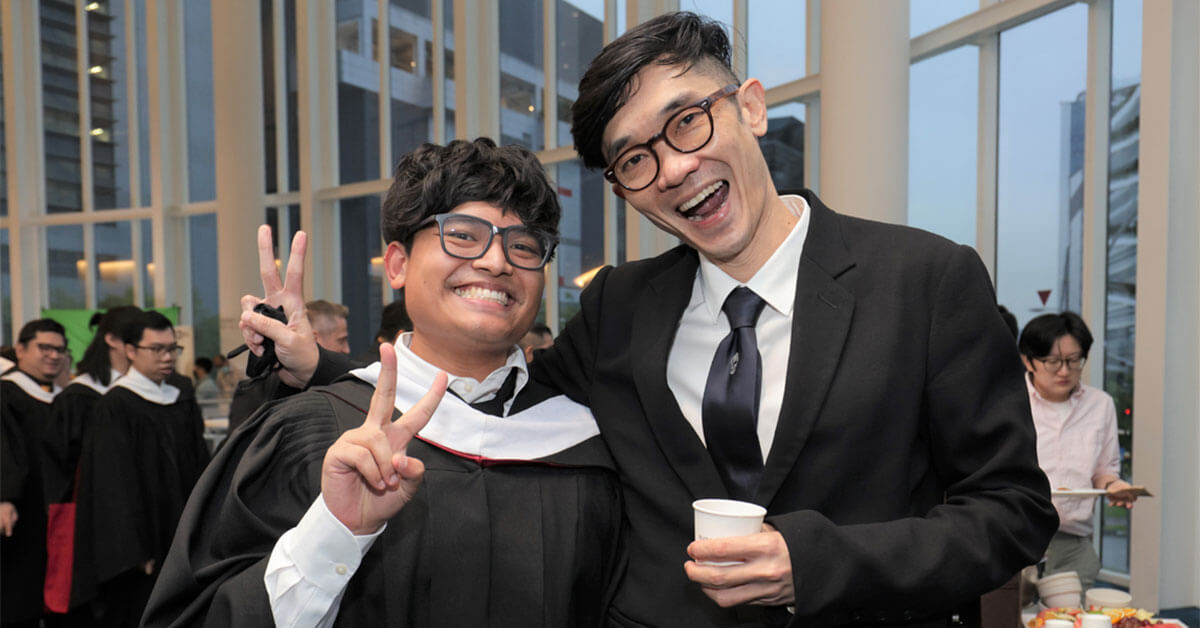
689 130
48 348
1054 363
173 350
468 237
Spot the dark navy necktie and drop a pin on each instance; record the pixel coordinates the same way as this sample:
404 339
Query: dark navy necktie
730 404
495 405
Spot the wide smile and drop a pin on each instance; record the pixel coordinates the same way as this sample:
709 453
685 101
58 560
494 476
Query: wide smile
705 203
479 293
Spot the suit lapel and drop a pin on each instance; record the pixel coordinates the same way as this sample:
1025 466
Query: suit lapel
820 323
654 325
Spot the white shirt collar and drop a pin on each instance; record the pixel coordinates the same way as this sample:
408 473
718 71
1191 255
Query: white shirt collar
550 426
468 389
774 282
163 394
31 386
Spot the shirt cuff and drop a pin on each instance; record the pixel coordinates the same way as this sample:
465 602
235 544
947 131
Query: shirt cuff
324 550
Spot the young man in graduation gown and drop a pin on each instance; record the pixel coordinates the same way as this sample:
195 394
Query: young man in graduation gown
71 417
140 459
312 514
26 394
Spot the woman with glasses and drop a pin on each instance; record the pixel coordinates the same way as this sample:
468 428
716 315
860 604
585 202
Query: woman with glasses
140 458
1076 436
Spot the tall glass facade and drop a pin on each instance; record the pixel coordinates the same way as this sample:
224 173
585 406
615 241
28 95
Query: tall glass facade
1040 159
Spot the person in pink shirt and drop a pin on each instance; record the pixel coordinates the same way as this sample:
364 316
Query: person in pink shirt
1076 436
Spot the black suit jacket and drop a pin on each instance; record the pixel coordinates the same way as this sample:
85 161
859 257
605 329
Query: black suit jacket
903 474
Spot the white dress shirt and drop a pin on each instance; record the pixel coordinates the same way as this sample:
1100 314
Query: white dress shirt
312 563
704 325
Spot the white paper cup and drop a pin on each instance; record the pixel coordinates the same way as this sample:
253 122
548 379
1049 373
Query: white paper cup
717 518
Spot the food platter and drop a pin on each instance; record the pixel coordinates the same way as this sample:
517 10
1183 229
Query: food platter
1120 617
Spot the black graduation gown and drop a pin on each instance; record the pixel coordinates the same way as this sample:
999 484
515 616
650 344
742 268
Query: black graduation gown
251 394
483 543
70 418
23 567
139 462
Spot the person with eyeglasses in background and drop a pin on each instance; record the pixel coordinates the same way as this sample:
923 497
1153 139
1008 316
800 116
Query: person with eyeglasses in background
1076 436
139 461
26 394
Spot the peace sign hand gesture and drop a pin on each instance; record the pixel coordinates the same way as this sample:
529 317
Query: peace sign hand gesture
366 477
295 345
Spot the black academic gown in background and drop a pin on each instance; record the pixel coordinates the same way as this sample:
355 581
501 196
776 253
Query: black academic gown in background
23 567
139 462
255 392
71 416
483 543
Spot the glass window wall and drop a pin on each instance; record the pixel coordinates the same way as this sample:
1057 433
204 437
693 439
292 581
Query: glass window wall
783 146
1040 164
1121 257
581 232
202 164
943 119
115 266
775 45
66 267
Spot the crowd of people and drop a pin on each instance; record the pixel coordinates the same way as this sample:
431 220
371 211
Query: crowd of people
854 378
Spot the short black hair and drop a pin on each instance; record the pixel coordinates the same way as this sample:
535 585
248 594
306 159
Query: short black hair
681 38
95 358
205 364
394 320
1039 335
30 330
541 329
143 321
435 179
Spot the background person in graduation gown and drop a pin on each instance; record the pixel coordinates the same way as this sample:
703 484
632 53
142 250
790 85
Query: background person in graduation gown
102 363
895 450
326 322
140 459
26 393
71 416
518 517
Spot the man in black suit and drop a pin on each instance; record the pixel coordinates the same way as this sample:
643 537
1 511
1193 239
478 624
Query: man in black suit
888 437
889 433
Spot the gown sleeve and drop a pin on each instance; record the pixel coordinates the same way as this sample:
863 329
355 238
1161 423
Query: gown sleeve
257 486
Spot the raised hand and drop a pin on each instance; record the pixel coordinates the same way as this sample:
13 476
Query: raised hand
366 477
295 345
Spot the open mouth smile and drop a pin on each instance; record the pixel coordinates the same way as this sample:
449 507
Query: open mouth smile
483 294
705 202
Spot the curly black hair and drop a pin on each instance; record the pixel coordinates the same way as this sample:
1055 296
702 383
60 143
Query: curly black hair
435 179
